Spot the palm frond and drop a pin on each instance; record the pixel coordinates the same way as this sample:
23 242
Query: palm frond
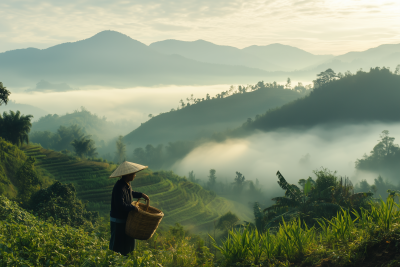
292 191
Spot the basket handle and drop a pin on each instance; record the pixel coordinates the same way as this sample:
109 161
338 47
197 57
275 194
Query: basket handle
147 202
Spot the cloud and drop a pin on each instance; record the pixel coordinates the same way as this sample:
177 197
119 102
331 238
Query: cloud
169 27
238 23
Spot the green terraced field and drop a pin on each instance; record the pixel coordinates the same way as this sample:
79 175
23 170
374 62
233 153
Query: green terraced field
181 201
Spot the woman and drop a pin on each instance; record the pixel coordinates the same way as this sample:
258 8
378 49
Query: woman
121 205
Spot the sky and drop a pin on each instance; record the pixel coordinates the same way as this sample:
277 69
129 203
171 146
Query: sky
317 26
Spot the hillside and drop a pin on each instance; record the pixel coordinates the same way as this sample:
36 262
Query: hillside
98 127
387 55
113 59
204 51
291 58
206 117
363 97
370 239
273 57
182 201
11 159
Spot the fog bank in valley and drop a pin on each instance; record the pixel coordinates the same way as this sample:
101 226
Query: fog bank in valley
132 104
294 153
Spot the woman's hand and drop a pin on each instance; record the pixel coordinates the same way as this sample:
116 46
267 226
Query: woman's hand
145 197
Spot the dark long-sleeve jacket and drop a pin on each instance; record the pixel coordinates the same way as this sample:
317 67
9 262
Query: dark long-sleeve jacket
121 200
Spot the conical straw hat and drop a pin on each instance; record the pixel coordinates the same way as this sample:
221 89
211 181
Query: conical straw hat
127 168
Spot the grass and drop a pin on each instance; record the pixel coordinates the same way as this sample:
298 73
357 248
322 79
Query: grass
349 239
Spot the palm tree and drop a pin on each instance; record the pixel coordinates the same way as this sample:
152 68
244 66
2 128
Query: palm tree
314 201
15 127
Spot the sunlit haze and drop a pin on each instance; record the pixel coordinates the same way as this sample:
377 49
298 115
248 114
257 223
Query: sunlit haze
320 27
295 154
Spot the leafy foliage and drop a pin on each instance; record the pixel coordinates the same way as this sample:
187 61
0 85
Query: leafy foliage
4 94
324 78
27 180
322 198
84 147
59 201
344 240
60 140
11 159
383 158
26 240
15 127
227 221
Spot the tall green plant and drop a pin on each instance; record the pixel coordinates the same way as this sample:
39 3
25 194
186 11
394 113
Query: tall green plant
15 127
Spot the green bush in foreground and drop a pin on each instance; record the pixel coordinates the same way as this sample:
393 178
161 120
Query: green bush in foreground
27 241
342 241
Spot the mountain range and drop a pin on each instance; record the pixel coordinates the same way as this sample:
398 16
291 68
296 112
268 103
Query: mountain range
114 59
273 57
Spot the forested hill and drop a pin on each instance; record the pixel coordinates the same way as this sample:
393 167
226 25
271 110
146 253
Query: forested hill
98 127
362 97
208 116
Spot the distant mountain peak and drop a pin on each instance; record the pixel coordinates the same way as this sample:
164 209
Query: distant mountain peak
106 34
108 38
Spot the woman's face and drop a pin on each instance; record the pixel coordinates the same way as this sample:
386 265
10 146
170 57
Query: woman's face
131 177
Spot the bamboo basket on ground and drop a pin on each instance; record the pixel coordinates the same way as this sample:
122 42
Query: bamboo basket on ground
143 224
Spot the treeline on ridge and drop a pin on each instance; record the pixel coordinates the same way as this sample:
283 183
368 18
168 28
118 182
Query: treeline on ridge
199 118
361 97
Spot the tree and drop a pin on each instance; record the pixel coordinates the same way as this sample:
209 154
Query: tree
65 135
192 177
121 149
397 71
84 147
387 145
212 178
4 94
324 77
15 128
59 201
227 221
27 180
325 179
383 158
239 179
288 83
239 182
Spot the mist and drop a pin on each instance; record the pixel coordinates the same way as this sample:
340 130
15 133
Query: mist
294 153
132 104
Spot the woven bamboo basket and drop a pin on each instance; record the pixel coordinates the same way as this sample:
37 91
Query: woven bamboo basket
143 224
